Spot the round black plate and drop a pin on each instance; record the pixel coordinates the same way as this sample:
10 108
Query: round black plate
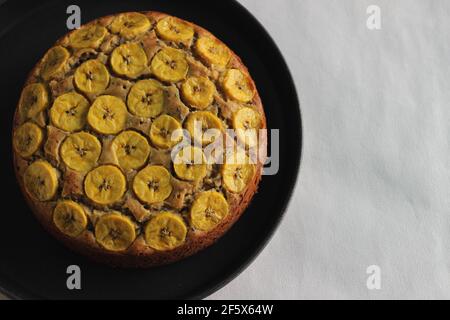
33 265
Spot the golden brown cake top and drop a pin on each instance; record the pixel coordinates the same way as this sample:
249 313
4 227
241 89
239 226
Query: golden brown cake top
109 130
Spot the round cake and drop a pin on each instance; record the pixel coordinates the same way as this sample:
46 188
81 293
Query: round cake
139 139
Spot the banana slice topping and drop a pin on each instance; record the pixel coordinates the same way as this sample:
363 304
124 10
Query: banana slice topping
190 164
165 231
81 151
208 210
152 184
237 172
131 149
130 25
54 62
69 111
170 65
90 36
27 139
247 122
173 29
105 185
92 77
212 51
33 100
107 115
129 60
198 92
69 217
204 126
146 98
41 180
165 132
115 232
238 86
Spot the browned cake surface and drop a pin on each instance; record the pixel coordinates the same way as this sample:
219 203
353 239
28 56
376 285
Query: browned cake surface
92 147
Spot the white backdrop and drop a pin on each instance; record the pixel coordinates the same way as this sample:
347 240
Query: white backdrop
374 181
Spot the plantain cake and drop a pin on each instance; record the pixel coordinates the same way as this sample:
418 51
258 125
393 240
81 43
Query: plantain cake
97 139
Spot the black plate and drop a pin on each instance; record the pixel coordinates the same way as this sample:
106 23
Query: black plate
33 265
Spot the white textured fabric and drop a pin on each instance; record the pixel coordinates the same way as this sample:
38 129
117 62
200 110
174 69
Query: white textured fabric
375 181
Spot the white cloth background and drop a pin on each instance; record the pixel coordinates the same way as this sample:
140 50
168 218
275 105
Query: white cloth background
374 181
